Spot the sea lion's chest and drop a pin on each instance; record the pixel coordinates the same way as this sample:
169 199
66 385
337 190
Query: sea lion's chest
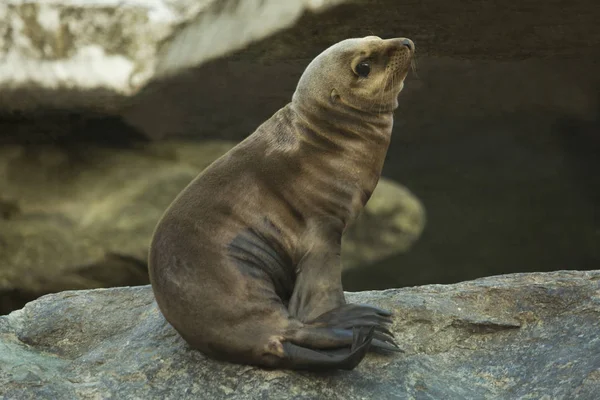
335 184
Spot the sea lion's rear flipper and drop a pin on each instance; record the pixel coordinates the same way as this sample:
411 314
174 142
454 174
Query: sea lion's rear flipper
353 315
299 357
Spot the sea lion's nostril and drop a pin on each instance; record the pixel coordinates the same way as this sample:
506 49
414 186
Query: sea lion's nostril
408 43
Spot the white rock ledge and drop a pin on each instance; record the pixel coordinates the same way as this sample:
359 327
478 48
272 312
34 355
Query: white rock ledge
115 47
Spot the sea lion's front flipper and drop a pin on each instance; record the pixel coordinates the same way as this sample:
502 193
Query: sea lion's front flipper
297 356
318 336
318 286
318 298
353 315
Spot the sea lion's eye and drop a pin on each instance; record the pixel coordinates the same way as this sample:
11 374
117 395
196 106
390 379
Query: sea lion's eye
363 69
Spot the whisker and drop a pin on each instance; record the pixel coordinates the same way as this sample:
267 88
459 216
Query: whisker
413 67
387 77
374 100
393 83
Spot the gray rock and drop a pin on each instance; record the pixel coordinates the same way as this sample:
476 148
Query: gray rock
525 336
92 225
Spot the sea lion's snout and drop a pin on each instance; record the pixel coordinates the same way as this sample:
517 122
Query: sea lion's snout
400 52
402 44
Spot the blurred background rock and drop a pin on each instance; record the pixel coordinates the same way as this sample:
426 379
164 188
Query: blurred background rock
108 110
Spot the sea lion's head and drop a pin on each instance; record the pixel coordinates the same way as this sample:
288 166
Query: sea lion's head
365 74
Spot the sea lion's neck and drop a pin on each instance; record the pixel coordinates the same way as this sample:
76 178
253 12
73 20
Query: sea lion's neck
348 146
337 122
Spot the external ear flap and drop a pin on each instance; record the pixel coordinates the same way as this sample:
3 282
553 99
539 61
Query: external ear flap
334 97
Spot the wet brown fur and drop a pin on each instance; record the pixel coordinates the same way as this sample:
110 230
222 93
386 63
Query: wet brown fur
248 255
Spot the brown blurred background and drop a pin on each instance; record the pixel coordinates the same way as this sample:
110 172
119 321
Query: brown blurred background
495 156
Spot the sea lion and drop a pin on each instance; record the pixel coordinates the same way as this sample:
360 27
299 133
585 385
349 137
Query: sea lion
245 263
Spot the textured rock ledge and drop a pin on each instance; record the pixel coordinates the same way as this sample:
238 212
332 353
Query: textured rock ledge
527 336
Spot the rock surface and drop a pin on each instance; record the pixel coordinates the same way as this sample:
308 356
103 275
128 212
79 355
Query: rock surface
92 225
73 53
527 336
